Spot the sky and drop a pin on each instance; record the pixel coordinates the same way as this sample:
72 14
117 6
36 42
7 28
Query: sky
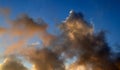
104 14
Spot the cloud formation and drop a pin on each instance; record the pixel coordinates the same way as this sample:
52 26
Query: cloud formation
89 48
12 64
25 28
44 59
77 39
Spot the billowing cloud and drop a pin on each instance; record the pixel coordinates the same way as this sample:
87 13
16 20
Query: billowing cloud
90 49
43 59
12 64
25 28
76 39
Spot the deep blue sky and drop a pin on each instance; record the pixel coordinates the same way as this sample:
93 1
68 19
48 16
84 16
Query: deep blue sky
105 14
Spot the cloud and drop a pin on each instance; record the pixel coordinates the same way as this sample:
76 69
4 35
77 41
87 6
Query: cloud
43 59
25 28
89 48
77 39
12 64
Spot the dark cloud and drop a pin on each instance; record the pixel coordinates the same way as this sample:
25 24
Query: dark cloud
12 64
90 49
43 59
